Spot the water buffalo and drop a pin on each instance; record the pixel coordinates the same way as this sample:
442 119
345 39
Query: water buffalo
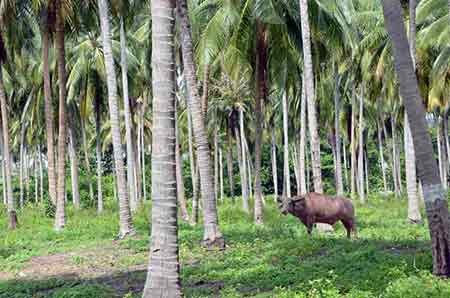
314 208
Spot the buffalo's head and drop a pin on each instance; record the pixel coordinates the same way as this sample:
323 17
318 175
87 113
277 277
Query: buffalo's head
288 205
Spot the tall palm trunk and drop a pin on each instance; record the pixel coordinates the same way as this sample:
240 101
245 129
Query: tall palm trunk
411 177
381 150
244 173
301 154
230 162
221 174
36 177
179 171
204 99
216 162
339 183
98 153
121 180
412 30
286 175
194 173
362 197
4 186
395 168
6 152
274 167
260 95
353 146
144 182
212 235
41 173
126 104
48 106
22 163
434 195
61 180
87 163
344 154
311 96
163 278
74 169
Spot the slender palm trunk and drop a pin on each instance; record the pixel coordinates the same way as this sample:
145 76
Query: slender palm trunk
195 193
411 177
286 174
126 103
221 174
144 181
179 171
362 197
74 170
61 180
244 173
22 163
36 177
274 167
309 80
344 154
212 235
216 162
124 208
353 146
51 158
163 278
301 154
6 153
205 89
41 173
260 95
394 158
381 152
87 163
4 184
366 171
337 95
98 153
435 197
230 162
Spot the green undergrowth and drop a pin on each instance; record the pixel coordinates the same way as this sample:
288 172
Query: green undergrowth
390 259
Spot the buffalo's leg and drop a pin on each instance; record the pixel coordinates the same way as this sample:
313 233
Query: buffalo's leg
348 224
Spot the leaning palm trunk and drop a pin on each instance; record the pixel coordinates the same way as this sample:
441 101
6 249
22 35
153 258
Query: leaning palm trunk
6 152
48 112
260 95
274 167
194 172
121 181
362 197
433 191
244 173
311 96
411 177
212 235
61 181
179 172
301 153
98 153
286 175
163 278
126 104
74 170
339 183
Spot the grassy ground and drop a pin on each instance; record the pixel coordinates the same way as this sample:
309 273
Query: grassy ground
390 259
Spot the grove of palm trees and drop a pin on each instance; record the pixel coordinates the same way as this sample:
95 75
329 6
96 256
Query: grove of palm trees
224 148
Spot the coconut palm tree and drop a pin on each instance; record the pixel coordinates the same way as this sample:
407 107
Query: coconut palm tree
435 198
126 228
212 235
163 278
6 150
